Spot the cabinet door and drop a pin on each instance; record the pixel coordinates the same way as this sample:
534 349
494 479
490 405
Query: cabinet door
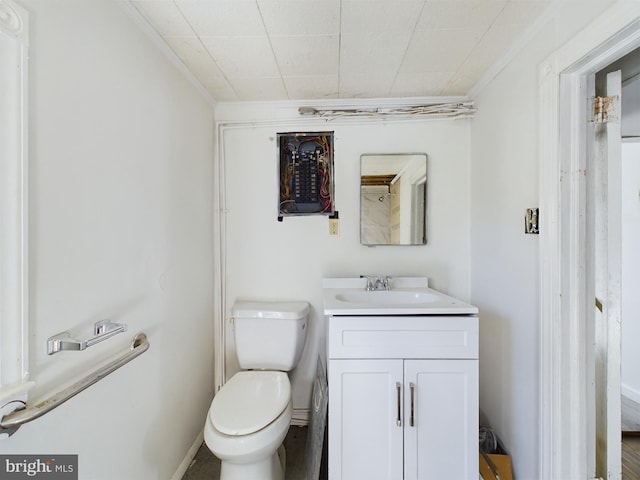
365 419
441 440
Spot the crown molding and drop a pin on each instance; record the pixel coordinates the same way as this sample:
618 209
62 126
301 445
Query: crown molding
142 23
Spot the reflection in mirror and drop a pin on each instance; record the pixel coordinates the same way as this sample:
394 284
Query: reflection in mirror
393 199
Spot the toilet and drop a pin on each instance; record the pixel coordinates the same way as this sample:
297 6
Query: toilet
250 415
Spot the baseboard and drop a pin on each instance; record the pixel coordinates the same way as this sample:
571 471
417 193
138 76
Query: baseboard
630 393
191 453
300 417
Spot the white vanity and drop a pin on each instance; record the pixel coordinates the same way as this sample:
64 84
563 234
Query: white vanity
403 382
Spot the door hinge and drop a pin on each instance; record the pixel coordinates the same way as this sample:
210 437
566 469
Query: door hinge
604 109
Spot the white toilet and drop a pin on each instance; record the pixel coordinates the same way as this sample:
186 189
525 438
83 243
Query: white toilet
250 415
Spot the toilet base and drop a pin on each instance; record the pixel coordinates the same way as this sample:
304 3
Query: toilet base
271 468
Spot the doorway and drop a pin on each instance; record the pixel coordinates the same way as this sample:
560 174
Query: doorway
613 233
629 183
568 313
630 326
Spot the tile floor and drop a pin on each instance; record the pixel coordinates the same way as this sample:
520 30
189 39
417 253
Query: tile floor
206 466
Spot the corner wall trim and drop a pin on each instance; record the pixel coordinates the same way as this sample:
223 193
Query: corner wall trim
14 220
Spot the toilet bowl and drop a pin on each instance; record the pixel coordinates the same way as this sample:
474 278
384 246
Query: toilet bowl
250 415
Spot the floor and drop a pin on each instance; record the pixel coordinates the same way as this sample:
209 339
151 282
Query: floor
206 466
630 415
630 440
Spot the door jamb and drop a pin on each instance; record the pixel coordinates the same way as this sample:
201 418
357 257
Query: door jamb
566 428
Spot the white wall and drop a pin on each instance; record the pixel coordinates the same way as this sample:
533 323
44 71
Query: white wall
121 150
505 261
267 259
630 269
630 128
631 232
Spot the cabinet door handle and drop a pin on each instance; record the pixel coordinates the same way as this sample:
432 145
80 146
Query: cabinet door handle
399 392
412 387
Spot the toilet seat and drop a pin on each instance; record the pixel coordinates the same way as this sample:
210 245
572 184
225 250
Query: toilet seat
250 401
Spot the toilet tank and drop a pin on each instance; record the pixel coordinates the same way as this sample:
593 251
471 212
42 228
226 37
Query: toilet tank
269 335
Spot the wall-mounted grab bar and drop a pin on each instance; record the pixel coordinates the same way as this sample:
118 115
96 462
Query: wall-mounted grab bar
102 330
12 421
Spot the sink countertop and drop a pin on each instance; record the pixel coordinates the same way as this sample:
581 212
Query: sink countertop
337 289
359 283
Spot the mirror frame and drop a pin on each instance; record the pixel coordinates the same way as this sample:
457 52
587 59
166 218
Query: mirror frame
382 176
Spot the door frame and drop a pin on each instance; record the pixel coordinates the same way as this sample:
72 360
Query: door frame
14 284
567 449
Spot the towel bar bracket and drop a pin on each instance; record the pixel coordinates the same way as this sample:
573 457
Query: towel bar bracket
102 330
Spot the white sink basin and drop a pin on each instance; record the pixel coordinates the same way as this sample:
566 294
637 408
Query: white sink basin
408 296
387 297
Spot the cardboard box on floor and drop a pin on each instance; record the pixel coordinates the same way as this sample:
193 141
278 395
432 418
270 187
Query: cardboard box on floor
500 464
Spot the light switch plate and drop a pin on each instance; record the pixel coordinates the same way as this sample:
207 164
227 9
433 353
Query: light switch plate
531 217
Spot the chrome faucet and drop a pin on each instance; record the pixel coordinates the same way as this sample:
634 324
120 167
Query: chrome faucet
370 285
378 283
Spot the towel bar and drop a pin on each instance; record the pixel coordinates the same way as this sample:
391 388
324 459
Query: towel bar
12 421
102 330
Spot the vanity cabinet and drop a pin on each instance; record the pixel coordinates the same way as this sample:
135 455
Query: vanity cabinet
403 397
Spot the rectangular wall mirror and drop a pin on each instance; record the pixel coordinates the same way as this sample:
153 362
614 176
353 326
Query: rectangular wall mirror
393 199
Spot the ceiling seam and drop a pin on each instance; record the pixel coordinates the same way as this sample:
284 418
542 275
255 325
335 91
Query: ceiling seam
463 63
275 59
160 42
195 33
404 55
516 47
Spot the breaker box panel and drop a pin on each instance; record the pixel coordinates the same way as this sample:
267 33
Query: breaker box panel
306 173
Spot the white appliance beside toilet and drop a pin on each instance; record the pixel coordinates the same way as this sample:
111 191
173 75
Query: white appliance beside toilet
250 415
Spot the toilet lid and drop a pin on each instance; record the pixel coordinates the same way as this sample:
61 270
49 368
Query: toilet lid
250 401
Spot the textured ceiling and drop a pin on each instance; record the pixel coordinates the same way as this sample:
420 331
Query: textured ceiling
324 49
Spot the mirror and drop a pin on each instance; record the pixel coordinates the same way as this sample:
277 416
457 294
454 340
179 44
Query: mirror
393 199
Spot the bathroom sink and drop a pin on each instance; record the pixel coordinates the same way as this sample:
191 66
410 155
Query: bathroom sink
408 296
387 297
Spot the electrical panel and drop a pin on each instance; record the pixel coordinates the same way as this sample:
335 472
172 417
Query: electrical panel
306 173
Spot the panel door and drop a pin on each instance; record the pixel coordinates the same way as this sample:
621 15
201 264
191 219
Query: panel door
441 419
365 420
